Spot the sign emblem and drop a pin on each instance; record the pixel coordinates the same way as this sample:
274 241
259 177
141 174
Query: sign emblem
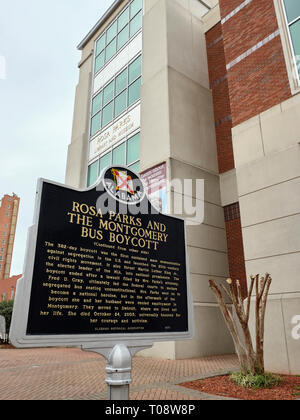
124 185
123 181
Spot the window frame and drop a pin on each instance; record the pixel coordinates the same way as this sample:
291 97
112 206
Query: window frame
289 24
287 46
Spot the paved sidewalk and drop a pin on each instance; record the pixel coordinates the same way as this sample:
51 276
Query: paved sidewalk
71 374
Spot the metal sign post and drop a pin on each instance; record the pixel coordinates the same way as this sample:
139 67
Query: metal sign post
104 271
118 368
118 373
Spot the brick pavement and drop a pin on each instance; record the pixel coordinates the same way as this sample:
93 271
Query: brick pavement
71 374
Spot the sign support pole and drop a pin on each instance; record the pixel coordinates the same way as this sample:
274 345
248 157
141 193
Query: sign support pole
118 367
118 373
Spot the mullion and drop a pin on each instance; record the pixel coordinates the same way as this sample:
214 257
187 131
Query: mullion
294 21
132 17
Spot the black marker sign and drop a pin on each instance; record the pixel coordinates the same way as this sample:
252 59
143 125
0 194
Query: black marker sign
104 264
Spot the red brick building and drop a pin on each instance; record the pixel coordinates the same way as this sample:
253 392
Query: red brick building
253 50
9 210
8 288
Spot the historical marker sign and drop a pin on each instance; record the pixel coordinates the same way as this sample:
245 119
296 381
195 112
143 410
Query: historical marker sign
102 265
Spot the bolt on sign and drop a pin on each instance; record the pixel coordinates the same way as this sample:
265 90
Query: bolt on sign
103 267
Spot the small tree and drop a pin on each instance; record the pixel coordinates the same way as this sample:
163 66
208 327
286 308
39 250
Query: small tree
250 360
6 309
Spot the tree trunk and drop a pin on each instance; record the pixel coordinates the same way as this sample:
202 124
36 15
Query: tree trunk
249 360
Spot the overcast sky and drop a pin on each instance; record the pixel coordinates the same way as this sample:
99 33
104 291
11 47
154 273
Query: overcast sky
38 40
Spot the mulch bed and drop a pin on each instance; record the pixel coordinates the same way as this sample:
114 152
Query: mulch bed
6 346
288 390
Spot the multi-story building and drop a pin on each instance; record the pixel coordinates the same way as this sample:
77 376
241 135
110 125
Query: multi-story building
205 90
9 209
8 288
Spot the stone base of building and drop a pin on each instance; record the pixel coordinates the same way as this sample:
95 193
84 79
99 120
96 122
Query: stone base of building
211 338
282 349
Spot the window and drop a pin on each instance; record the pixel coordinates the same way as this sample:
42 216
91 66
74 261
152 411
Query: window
117 96
108 93
121 82
111 50
135 7
292 12
100 61
107 114
96 124
135 24
123 19
105 161
93 173
133 149
112 32
97 103
127 24
135 69
119 155
135 167
123 37
120 103
124 154
134 92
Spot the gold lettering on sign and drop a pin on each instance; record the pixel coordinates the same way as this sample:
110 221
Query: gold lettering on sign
112 278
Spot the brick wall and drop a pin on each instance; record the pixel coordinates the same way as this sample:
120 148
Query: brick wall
220 94
258 81
248 75
223 122
8 218
236 256
8 288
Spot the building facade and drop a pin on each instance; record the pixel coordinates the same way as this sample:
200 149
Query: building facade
8 288
9 209
206 90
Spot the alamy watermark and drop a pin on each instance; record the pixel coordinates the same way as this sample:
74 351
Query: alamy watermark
296 329
2 68
185 200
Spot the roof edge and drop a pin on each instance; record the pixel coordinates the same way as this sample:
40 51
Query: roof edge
100 22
